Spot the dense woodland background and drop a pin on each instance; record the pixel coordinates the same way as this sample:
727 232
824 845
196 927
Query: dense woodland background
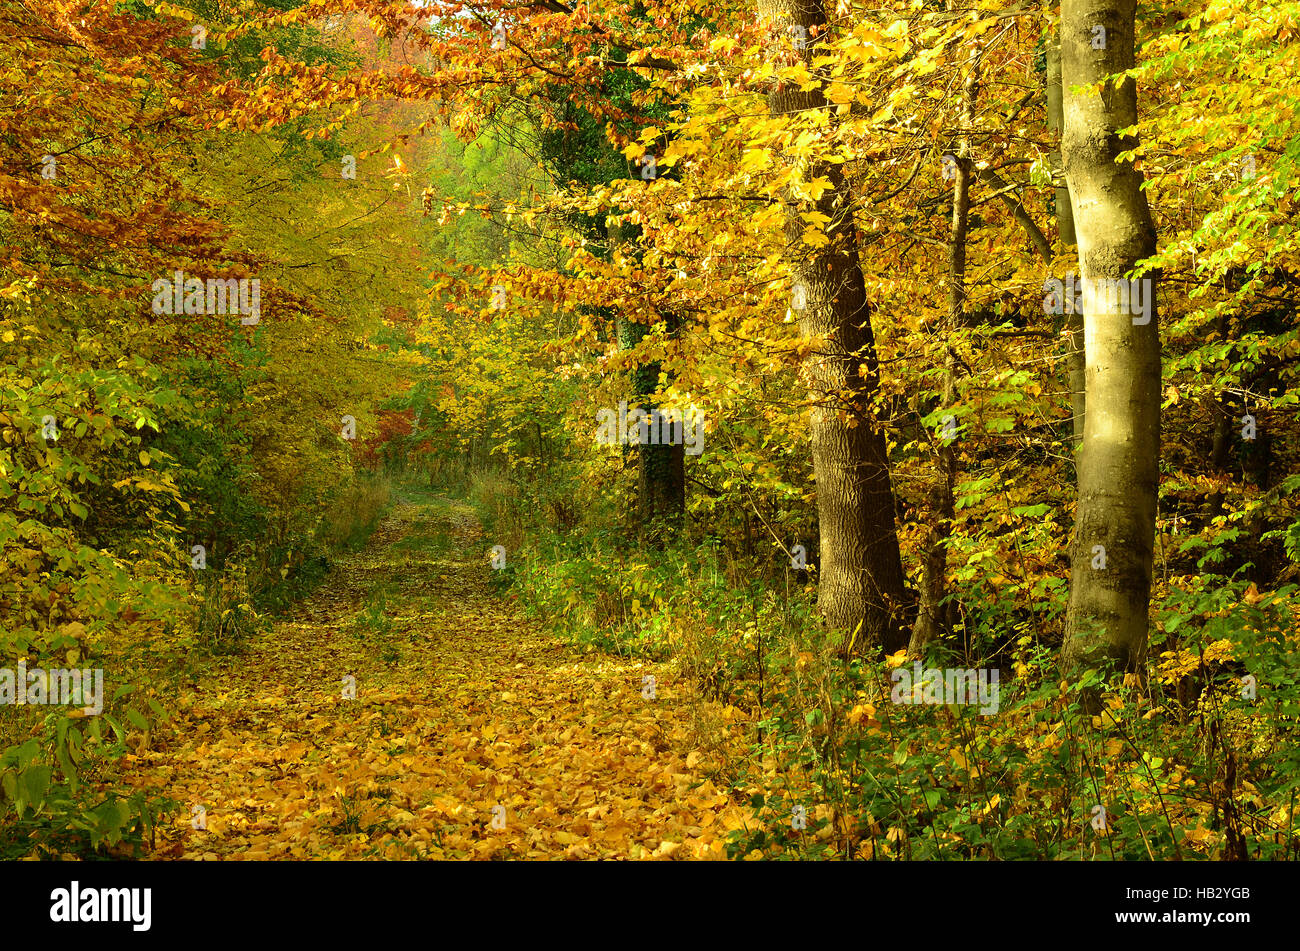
832 231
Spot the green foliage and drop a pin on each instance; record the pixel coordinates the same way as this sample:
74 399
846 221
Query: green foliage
52 800
883 779
225 617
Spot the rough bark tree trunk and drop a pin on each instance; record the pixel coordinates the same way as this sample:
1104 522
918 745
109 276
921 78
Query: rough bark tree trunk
861 585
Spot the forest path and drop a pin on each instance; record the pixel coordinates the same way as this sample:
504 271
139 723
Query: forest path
461 706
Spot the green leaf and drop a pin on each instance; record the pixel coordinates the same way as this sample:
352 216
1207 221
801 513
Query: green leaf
116 725
1030 511
66 764
35 782
9 785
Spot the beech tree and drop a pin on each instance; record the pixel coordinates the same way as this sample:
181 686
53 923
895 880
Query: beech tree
1115 528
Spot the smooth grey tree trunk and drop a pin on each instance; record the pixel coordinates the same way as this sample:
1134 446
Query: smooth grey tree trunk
1109 599
1075 362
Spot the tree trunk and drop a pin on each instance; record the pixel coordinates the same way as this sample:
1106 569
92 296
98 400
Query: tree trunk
1115 527
661 466
933 620
1065 233
861 587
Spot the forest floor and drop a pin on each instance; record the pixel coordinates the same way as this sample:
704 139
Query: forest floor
473 733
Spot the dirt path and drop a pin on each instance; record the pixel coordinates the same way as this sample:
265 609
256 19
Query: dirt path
465 716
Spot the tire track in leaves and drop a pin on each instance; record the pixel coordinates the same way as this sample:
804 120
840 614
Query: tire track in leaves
472 734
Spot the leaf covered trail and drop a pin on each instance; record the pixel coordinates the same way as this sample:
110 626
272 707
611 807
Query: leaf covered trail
461 706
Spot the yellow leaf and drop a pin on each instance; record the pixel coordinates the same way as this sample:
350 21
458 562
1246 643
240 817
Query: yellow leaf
860 711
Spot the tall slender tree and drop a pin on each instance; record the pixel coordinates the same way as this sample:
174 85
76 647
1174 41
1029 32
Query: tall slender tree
1115 534
1075 364
934 616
